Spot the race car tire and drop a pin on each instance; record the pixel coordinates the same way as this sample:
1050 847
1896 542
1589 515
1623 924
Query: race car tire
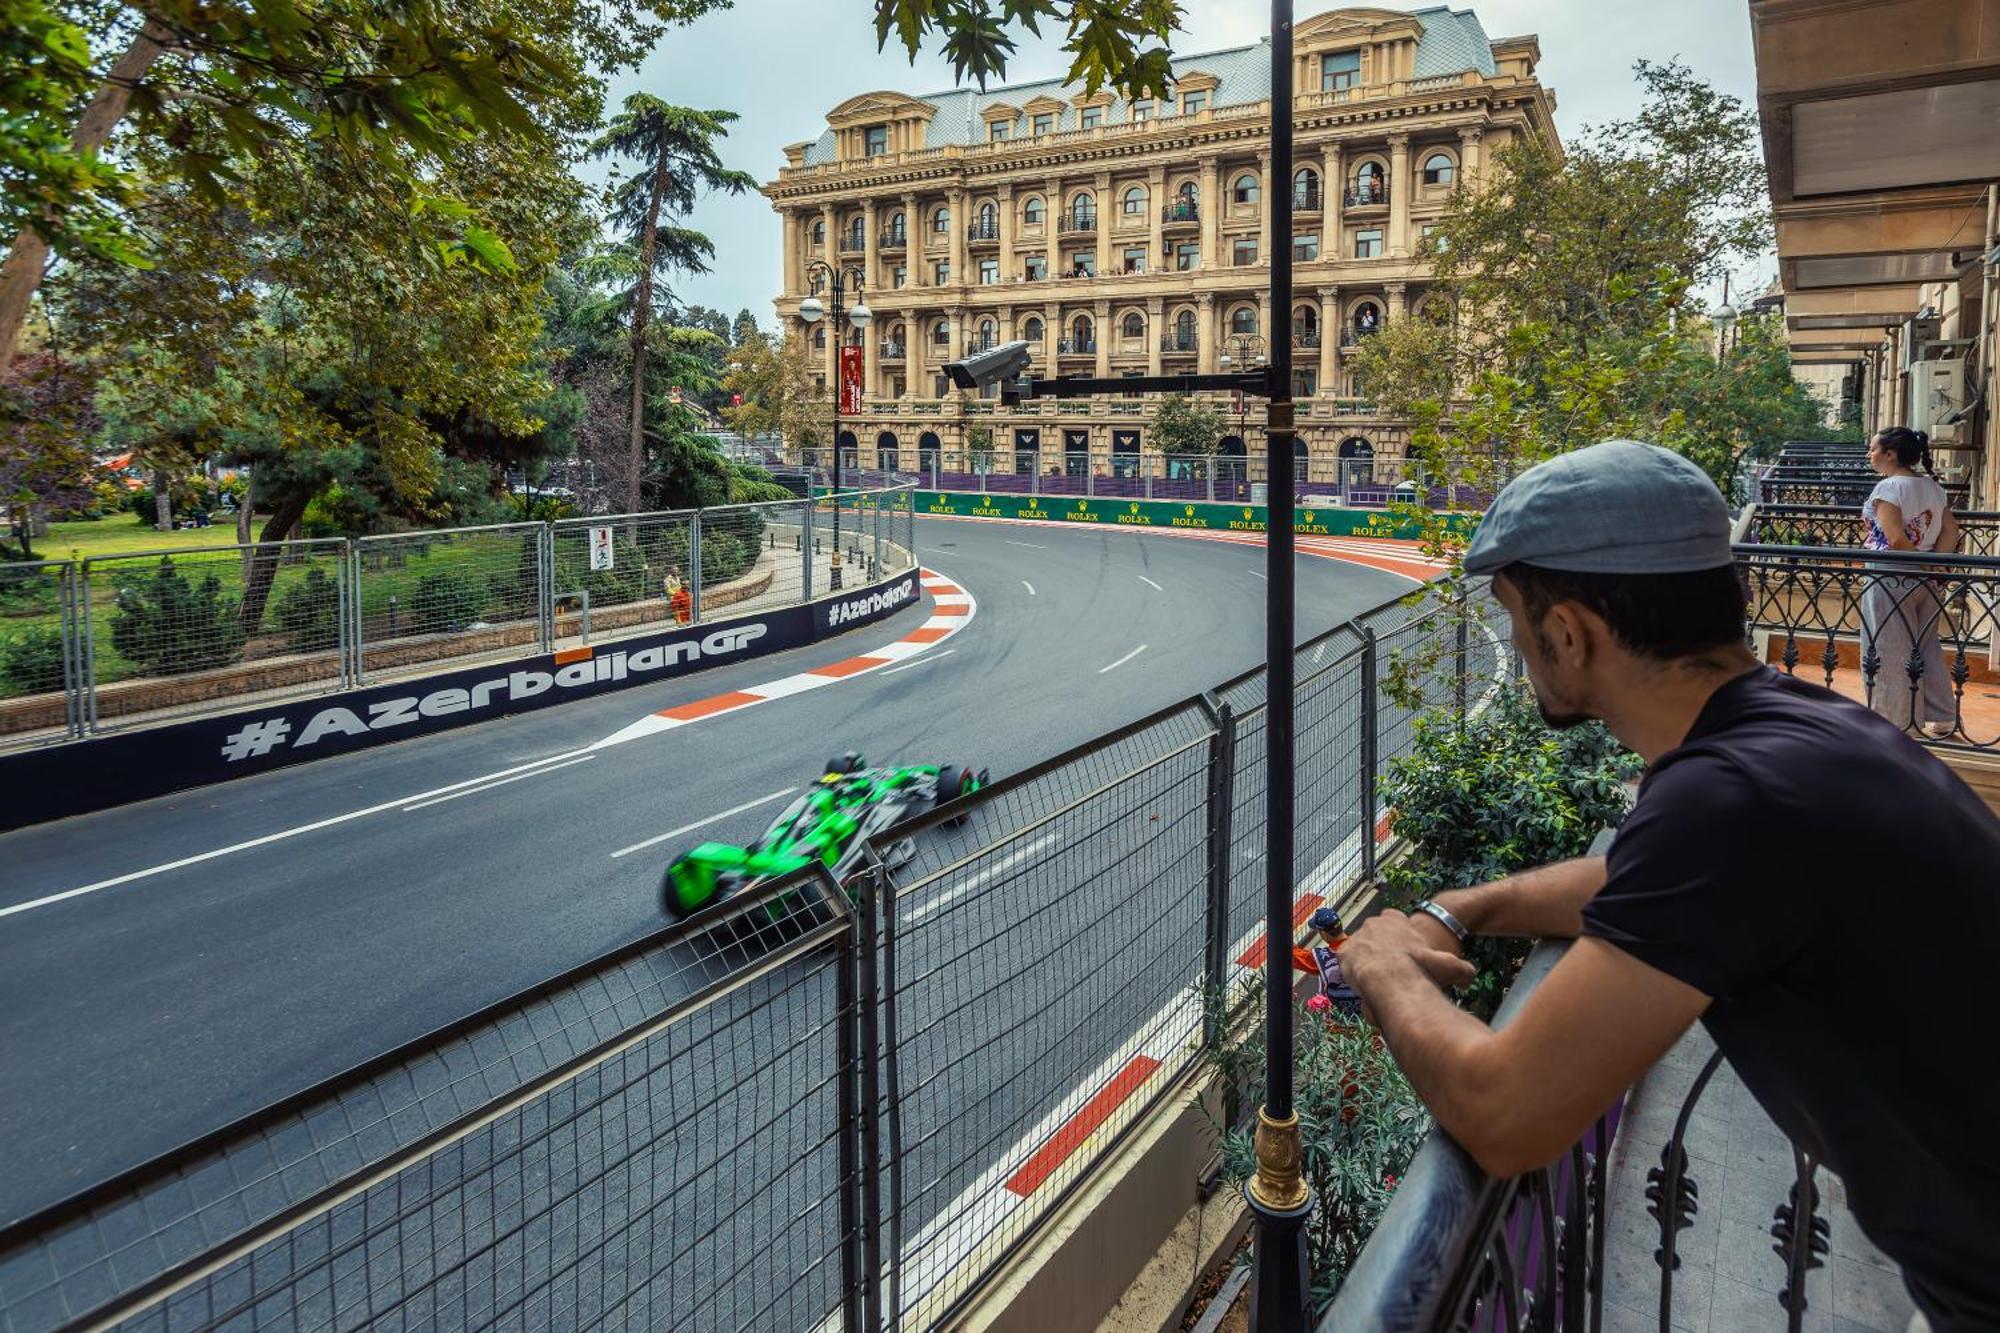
844 764
954 782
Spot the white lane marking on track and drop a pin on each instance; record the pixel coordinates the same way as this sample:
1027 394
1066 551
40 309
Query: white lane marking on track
1029 586
1123 660
701 823
1150 584
279 836
1033 546
1260 574
518 777
921 661
1006 862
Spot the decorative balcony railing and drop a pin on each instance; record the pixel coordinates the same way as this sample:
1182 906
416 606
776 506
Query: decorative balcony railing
894 238
1306 200
1180 212
1076 346
850 244
1179 344
1366 196
983 231
1308 338
893 351
1076 221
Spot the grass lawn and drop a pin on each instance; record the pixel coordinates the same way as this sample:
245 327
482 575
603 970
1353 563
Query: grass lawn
121 534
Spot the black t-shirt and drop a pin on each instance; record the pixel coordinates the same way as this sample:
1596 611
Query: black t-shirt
1836 891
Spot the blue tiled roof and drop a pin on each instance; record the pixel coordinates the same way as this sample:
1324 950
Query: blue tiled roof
1453 41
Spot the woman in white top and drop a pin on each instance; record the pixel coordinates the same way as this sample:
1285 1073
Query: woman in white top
1907 511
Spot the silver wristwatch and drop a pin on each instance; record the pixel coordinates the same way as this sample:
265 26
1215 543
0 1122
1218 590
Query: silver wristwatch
1445 919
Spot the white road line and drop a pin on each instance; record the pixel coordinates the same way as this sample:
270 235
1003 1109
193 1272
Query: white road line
1006 862
1029 586
474 791
701 823
921 661
1123 660
268 838
1150 584
1033 546
1260 574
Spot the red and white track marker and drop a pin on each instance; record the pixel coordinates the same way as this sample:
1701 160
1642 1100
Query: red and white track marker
952 609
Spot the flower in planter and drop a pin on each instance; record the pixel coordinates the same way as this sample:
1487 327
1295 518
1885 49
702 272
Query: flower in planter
1319 1004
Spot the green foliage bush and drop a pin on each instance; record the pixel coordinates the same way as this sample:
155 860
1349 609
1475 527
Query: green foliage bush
31 659
1494 794
29 597
1360 1124
445 601
308 613
167 626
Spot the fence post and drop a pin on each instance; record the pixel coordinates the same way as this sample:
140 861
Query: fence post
1210 470
1459 674
694 569
871 1101
1368 757
876 528
806 551
359 643
72 653
545 586
88 637
1221 820
343 610
853 1262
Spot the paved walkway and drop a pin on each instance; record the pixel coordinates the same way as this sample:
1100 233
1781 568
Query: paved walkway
1729 1275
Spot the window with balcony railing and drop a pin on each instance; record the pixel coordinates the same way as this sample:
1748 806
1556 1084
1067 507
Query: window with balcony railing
1305 199
1178 340
893 351
1079 219
985 229
1180 210
1367 191
894 238
1076 346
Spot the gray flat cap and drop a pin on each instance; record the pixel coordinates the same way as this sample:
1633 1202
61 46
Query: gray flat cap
1620 507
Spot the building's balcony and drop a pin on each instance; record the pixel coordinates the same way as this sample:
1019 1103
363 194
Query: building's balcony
1366 196
1179 344
893 351
973 346
894 238
851 244
1180 214
982 234
1305 338
1351 337
1306 200
1076 222
1077 347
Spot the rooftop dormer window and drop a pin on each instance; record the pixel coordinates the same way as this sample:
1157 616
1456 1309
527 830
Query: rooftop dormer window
876 140
1339 71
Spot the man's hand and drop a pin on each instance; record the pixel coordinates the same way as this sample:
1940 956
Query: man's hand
1390 941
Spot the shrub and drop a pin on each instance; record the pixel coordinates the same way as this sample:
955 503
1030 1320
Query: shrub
31 659
1498 793
445 601
308 613
166 626
29 596
1360 1124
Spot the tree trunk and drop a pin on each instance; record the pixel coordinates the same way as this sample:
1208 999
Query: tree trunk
243 508
163 501
263 566
21 274
642 313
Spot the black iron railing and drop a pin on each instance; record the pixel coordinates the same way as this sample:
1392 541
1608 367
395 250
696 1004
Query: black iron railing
1843 489
1181 211
852 243
1306 200
893 351
1837 525
983 231
1365 196
894 238
1083 220
1076 346
1179 342
1306 338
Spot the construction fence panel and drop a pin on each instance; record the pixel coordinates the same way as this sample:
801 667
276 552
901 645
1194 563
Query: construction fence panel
170 634
753 558
449 594
620 574
41 667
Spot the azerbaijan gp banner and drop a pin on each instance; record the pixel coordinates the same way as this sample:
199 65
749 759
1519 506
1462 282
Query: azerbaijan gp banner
1109 512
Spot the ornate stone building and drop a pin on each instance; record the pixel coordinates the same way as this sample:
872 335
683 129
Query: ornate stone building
1129 238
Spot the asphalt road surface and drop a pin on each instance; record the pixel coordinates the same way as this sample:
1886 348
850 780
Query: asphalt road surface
134 1017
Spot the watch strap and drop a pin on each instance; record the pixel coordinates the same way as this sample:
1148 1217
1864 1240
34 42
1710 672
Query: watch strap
1445 919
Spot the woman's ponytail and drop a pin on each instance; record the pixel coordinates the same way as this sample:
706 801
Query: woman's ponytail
1912 448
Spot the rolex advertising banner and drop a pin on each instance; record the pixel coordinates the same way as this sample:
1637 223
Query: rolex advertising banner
1109 512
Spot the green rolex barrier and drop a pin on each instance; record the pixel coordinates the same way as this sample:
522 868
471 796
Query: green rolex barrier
1159 514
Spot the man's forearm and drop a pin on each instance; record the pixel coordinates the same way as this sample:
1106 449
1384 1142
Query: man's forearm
1546 902
1439 1046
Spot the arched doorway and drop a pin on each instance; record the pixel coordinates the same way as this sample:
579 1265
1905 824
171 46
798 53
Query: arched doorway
885 451
1301 460
1027 450
1357 462
1125 453
928 446
849 447
1232 458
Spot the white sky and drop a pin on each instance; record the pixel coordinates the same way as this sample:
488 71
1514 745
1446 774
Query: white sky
783 64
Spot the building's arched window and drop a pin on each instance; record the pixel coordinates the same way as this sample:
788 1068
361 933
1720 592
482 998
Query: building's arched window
1031 210
989 333
1438 169
1305 186
1031 329
819 337
1243 319
941 333
941 220
819 231
1245 189
1135 200
1083 205
856 232
1367 317
1081 329
1184 328
1370 184
897 222
1305 320
1188 193
896 335
1135 325
989 220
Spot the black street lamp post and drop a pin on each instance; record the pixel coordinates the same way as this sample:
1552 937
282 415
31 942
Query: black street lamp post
860 316
1242 350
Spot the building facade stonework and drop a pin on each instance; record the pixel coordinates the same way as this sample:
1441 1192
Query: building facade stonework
1132 238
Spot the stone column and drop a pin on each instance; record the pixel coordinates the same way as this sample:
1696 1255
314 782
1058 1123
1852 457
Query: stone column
1204 323
1156 329
1264 238
1101 317
915 376
1333 187
1006 206
1104 216
959 222
1400 188
832 258
1468 155
1397 306
1210 206
1272 330
1052 332
913 241
1329 339
792 267
1156 247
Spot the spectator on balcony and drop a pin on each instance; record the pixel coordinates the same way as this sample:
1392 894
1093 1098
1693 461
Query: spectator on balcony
1907 511
1774 817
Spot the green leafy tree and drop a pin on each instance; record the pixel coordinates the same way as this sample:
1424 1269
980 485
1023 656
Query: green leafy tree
780 390
1181 425
46 423
167 626
675 149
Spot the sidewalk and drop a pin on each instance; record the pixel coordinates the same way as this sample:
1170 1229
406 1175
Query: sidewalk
1729 1277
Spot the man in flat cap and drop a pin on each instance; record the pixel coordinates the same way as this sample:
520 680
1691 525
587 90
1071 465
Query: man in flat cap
1807 881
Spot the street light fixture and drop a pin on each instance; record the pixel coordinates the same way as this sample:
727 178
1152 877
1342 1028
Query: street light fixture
812 310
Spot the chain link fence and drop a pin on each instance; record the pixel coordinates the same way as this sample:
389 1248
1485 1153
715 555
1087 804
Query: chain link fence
128 640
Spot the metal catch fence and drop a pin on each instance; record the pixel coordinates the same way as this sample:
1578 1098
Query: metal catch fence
128 640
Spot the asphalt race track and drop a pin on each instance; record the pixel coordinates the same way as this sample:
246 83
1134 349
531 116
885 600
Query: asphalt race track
136 1016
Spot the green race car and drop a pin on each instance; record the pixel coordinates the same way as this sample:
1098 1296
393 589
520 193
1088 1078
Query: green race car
831 823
